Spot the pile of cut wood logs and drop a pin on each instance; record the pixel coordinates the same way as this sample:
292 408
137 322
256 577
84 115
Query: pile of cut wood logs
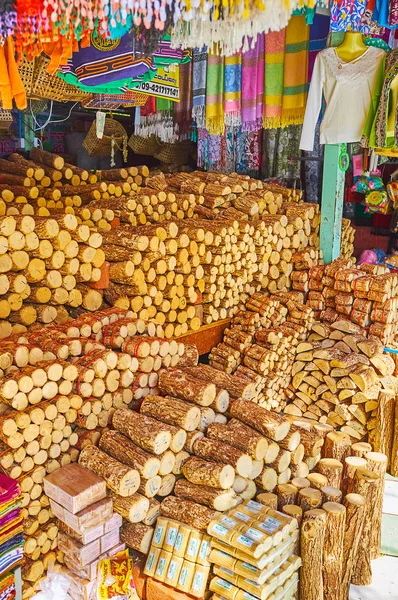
347 239
260 344
344 378
366 294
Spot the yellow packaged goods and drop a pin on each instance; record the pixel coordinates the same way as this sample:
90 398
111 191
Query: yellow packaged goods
240 515
90 517
221 531
260 576
82 555
222 559
182 539
74 487
254 508
242 595
249 546
227 574
160 532
163 565
224 588
171 536
115 578
152 561
266 558
204 551
199 581
194 542
186 576
90 571
173 572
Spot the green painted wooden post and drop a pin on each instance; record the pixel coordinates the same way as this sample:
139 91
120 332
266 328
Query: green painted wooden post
332 203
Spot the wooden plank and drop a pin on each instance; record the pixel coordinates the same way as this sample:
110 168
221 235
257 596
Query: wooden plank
332 203
207 336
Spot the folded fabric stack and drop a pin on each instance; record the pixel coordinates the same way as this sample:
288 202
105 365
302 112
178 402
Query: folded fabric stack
11 538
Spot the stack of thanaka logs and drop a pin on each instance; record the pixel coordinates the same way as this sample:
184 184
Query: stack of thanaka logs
339 509
45 185
366 294
347 239
46 263
344 379
79 372
261 342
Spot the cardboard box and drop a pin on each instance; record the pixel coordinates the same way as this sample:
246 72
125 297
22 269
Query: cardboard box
109 540
96 514
74 487
80 589
109 526
90 571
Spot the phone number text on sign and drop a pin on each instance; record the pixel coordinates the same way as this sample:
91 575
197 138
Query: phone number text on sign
156 89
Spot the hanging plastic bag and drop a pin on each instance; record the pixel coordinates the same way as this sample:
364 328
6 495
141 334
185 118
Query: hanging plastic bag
115 578
53 586
378 202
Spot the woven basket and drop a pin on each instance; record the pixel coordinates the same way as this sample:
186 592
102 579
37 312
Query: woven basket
176 154
26 68
5 119
148 146
103 147
52 87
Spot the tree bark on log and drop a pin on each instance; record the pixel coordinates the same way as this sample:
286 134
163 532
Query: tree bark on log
337 445
120 447
172 411
133 508
137 536
214 498
331 494
384 429
188 512
377 463
268 423
287 494
309 499
365 484
332 469
311 541
268 499
217 451
207 473
180 385
252 442
333 549
149 434
394 451
119 478
355 519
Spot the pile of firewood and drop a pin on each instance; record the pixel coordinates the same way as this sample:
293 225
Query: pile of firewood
260 344
339 510
366 294
343 378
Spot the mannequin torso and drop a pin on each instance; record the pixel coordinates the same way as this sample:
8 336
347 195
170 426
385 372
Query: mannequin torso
352 47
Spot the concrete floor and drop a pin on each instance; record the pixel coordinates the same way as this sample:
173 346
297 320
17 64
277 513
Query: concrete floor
385 569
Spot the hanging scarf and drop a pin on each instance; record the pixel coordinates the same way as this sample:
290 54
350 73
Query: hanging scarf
274 59
250 60
319 31
199 69
232 90
260 80
391 71
209 151
214 95
295 78
183 108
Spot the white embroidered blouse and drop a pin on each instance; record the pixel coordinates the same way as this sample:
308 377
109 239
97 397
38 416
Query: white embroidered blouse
347 88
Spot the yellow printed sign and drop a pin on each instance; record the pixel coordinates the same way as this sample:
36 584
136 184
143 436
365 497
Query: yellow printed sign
165 84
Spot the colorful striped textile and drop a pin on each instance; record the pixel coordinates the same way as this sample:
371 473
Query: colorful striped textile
183 108
295 78
232 90
215 95
199 71
273 92
252 81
